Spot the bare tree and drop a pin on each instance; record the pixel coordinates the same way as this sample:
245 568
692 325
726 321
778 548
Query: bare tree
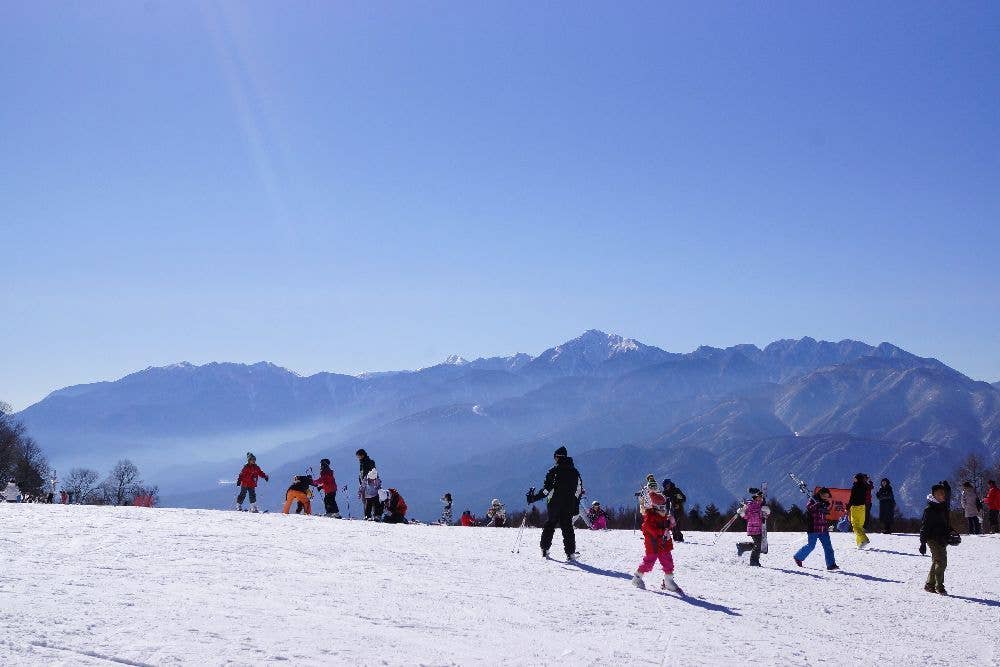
81 483
973 469
21 458
122 481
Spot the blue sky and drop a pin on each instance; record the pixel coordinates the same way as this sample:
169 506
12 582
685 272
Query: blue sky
358 186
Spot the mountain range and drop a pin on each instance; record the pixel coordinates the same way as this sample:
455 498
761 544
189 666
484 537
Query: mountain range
715 420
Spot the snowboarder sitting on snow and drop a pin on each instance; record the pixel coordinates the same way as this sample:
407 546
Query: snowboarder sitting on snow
755 512
496 514
299 492
447 518
328 483
598 517
395 506
656 532
368 492
935 532
562 490
675 503
468 519
247 481
816 511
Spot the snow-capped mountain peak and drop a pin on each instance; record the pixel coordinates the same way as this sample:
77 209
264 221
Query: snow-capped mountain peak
455 360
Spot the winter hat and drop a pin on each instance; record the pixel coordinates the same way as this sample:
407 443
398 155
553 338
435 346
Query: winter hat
651 482
754 491
595 504
496 501
667 482
325 463
561 451
822 491
938 487
251 457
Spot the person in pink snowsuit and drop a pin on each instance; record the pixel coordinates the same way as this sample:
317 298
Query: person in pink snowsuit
657 523
598 517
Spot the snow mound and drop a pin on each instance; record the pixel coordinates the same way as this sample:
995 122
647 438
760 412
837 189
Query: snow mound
92 585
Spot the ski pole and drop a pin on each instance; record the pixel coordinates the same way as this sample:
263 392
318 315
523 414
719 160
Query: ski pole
517 541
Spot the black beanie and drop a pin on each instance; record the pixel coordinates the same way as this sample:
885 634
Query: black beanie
561 451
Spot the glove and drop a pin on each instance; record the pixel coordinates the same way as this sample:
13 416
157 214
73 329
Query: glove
923 549
530 495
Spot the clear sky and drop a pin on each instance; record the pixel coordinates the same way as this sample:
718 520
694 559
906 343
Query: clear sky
359 186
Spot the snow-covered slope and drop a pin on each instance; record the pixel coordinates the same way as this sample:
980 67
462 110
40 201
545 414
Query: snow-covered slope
92 585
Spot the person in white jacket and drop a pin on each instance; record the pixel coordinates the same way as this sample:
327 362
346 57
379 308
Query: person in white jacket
12 493
970 506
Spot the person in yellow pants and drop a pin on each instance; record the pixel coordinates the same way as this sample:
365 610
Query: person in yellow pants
856 508
298 491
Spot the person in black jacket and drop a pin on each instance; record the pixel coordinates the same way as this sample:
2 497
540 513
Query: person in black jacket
935 529
366 464
676 500
562 490
886 505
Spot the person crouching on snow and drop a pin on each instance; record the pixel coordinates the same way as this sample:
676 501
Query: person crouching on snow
657 524
395 506
496 514
328 483
598 517
299 492
755 513
247 481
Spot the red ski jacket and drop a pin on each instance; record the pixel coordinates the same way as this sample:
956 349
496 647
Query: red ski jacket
655 525
326 481
467 520
249 475
993 499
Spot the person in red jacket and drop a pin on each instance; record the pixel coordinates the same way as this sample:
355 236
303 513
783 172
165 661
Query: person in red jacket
467 519
657 526
328 483
993 506
247 481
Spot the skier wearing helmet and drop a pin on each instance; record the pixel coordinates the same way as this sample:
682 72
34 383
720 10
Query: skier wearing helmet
247 481
598 517
496 514
656 532
562 490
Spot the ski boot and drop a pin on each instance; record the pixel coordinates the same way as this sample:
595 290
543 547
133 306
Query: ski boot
571 558
798 562
833 568
336 515
253 508
239 508
930 588
545 553
941 591
740 548
638 582
670 585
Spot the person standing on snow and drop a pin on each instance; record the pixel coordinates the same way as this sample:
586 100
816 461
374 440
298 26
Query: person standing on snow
447 517
971 504
496 514
935 531
562 490
675 500
857 510
328 483
657 537
816 510
368 492
993 506
755 513
886 505
247 481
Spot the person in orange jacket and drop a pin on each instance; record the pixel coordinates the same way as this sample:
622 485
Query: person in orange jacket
247 481
992 502
328 483
299 492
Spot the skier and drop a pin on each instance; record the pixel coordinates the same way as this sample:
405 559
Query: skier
368 492
298 492
395 506
561 490
656 524
496 514
993 506
856 508
755 512
886 505
816 511
598 517
247 481
935 531
328 483
12 494
447 518
467 519
971 504
676 500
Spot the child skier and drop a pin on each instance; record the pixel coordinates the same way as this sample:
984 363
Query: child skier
755 512
816 511
598 517
328 483
446 515
247 481
299 492
496 514
368 493
657 524
935 531
467 519
395 506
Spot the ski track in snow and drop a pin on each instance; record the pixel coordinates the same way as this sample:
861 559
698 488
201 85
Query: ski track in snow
134 586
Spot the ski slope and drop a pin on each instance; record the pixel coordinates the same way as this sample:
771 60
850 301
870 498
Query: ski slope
101 585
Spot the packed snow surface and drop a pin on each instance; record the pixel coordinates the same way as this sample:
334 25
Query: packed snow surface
100 585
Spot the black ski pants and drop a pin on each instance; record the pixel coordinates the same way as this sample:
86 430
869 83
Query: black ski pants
330 503
373 508
564 520
244 490
754 547
994 516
